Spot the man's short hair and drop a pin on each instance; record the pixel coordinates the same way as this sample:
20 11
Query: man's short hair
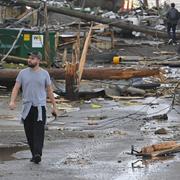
172 4
36 54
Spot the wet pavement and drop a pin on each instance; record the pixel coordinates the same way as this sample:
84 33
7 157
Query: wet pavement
93 143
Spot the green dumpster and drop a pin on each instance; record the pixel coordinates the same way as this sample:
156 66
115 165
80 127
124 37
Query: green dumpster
29 40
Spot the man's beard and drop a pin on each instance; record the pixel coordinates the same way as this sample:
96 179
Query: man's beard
32 65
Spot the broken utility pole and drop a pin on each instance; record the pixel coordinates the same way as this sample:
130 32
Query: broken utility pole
91 73
8 76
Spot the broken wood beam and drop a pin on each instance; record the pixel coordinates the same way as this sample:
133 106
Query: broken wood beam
9 75
71 81
116 23
93 73
84 55
119 73
160 149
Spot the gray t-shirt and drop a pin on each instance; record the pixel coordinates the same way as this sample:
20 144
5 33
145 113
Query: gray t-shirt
33 85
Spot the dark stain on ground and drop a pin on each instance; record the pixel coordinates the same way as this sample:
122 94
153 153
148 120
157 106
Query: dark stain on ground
6 153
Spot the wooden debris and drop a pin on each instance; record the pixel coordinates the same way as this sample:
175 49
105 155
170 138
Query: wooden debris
113 73
124 97
116 23
148 149
163 146
17 60
91 73
160 149
64 58
83 56
71 82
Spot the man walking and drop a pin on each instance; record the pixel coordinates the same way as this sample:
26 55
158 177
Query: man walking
36 84
172 20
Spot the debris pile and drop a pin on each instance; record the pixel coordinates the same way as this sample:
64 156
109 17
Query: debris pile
113 71
160 149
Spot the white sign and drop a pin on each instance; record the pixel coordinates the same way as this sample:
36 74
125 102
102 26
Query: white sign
37 41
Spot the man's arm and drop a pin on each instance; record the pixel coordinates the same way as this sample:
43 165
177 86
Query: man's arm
52 99
14 94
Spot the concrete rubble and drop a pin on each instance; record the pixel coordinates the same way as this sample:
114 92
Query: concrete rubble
117 86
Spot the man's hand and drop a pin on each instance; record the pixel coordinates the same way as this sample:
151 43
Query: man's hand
12 105
51 97
54 112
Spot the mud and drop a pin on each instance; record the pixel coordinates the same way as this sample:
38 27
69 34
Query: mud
6 153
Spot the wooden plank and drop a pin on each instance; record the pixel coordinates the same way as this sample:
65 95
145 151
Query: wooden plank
160 149
157 147
161 152
83 56
166 151
163 146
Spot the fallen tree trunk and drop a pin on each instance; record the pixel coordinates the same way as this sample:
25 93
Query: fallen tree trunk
88 17
91 73
17 60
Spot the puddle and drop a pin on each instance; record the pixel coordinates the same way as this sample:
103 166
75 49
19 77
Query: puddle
146 162
141 168
6 153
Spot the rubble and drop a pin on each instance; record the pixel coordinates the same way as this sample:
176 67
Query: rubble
160 149
116 83
161 131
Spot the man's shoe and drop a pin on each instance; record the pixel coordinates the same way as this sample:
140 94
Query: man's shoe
37 159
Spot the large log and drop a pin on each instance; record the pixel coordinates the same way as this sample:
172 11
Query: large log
88 17
91 73
17 60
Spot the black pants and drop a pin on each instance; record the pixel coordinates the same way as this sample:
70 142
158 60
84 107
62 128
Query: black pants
173 27
34 130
